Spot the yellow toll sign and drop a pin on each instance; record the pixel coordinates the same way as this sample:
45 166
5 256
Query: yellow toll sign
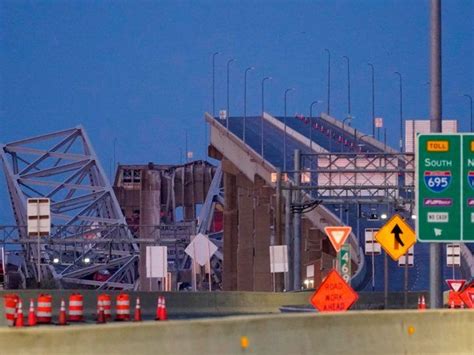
396 237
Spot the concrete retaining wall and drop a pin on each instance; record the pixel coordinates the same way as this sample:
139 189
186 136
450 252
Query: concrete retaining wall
365 332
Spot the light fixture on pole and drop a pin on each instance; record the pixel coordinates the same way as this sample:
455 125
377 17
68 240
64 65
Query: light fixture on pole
263 112
373 98
348 85
329 81
470 99
311 123
284 133
228 89
214 83
401 109
245 100
343 129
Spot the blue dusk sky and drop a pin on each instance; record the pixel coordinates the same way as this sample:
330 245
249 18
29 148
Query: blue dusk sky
140 71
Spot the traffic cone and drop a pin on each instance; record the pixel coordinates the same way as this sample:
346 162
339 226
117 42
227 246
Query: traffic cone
163 313
419 303
100 313
62 314
158 309
31 314
138 311
19 322
451 305
423 304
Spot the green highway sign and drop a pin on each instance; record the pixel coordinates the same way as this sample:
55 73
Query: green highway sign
445 187
344 257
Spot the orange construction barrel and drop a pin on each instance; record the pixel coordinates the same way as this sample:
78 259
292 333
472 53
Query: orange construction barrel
76 307
123 307
10 302
106 304
44 309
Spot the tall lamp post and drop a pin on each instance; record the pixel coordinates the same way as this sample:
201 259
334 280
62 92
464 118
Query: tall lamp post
263 111
373 99
214 83
284 121
329 80
343 130
228 89
401 109
245 100
348 85
470 99
311 123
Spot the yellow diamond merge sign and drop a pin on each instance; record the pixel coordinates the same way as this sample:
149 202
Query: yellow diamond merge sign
396 237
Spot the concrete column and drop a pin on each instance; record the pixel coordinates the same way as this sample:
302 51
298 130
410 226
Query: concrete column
262 277
150 216
245 250
230 239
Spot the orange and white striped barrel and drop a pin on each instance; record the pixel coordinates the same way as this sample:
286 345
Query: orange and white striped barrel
106 304
10 301
76 307
44 309
123 307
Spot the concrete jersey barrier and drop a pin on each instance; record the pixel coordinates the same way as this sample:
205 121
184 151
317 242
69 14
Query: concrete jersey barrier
364 332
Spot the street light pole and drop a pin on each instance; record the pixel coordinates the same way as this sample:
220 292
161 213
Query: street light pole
401 110
436 295
228 89
343 130
348 85
329 81
470 98
214 83
311 123
263 111
245 100
284 134
373 99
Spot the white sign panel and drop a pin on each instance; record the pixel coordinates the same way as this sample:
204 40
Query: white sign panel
39 216
453 254
378 122
222 114
278 258
201 249
371 245
411 257
156 261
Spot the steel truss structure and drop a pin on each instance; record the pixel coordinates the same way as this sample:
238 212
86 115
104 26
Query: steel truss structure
63 167
348 178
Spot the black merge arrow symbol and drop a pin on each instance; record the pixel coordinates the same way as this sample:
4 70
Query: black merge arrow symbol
396 231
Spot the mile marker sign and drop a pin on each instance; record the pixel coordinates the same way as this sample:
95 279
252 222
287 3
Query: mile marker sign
334 294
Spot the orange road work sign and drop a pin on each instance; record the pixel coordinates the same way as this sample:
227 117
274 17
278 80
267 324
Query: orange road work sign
467 295
338 235
334 294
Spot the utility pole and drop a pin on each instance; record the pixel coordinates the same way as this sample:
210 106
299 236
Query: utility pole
329 81
297 224
435 126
